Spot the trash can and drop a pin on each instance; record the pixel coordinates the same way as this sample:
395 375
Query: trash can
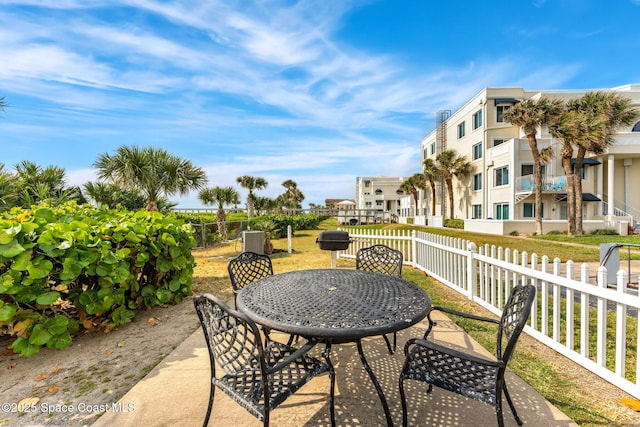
610 259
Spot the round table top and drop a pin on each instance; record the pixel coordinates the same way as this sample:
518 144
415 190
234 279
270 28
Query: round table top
334 304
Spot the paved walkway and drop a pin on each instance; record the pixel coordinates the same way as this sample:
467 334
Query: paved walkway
176 393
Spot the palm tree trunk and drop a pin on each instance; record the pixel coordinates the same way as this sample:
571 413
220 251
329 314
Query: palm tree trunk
571 198
433 199
577 186
222 223
537 170
449 182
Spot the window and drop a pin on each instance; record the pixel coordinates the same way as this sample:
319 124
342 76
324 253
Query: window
367 184
477 120
477 211
500 110
501 176
502 211
527 169
498 141
433 148
367 204
461 130
477 182
379 202
477 151
529 210
563 211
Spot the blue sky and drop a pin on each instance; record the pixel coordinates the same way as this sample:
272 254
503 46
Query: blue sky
318 91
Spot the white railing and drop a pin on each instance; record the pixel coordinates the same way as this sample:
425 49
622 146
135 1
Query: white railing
569 315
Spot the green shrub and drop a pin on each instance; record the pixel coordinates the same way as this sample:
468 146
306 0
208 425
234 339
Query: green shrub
604 232
72 267
276 225
454 223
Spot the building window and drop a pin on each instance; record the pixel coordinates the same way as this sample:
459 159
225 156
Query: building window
379 202
367 184
477 120
378 191
527 169
563 211
502 211
477 151
501 176
500 110
367 204
498 141
529 210
433 148
461 130
477 182
477 212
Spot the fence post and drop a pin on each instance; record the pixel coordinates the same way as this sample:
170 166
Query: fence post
472 276
414 248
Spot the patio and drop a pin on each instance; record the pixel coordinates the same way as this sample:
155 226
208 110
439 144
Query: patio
176 392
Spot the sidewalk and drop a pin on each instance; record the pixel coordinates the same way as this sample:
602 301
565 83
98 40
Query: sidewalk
176 392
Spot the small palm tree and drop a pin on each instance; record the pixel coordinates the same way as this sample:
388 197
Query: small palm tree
152 171
431 174
3 103
292 198
412 185
602 113
251 183
221 196
530 115
451 164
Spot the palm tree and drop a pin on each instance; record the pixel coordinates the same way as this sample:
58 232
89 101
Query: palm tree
530 115
292 197
431 174
451 164
602 114
152 171
8 196
3 103
35 184
251 183
264 205
412 185
221 196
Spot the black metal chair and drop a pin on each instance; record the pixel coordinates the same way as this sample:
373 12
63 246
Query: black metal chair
380 259
258 377
384 260
470 375
247 268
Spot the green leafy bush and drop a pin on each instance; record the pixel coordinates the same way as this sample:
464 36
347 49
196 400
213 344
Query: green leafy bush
454 223
72 267
277 224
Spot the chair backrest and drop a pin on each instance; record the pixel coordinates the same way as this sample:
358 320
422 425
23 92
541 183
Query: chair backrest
514 317
247 268
233 340
380 259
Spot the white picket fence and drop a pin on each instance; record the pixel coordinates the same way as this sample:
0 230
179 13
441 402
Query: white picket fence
564 305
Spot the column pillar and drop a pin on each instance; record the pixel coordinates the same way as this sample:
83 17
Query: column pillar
610 185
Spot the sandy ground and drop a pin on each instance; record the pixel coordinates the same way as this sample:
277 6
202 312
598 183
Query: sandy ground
70 387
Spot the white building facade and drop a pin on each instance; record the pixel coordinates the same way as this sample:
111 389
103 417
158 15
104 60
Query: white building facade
379 195
498 197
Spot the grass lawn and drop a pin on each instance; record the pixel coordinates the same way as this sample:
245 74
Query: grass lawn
559 380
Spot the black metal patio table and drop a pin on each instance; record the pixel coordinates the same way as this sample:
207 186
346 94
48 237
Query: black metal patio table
336 306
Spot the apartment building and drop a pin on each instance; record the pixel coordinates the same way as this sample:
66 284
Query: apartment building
501 184
379 194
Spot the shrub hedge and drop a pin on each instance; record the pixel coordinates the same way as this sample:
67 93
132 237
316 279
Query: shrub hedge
67 268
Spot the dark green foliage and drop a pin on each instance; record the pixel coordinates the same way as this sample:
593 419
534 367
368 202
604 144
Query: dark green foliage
604 232
72 267
276 225
454 223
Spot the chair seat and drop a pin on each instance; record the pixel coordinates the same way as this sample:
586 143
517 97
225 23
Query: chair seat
245 387
451 372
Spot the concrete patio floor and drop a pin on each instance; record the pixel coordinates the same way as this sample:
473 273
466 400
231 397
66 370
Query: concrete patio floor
176 392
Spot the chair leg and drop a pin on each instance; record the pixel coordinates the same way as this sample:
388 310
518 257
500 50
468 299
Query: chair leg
209 406
511 405
332 380
403 400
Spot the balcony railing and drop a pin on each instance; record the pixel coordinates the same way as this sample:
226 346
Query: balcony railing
550 184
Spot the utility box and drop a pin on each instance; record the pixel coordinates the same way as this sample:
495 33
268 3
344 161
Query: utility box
253 241
623 228
610 262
